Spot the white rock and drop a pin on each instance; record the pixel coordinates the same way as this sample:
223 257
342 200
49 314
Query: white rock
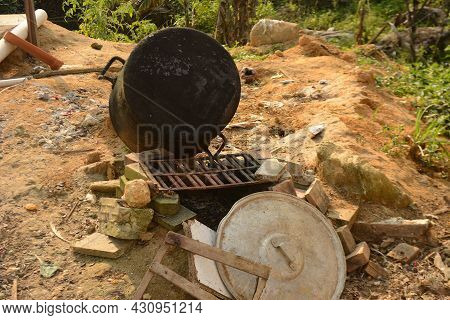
268 31
91 198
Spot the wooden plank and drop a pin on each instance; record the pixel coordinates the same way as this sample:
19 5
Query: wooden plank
181 282
149 274
259 288
14 289
218 255
31 21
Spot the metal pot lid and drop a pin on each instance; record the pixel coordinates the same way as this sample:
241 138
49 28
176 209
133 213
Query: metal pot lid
289 235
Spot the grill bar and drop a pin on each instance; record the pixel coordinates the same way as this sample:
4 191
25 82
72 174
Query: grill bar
230 170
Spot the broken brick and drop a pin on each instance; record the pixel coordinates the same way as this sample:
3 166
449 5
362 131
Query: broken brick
134 171
374 270
404 252
286 186
109 186
393 228
175 222
359 257
346 237
317 196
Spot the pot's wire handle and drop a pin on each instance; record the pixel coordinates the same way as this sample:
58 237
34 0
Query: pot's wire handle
106 68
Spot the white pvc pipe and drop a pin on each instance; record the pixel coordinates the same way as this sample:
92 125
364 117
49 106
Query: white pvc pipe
11 82
21 30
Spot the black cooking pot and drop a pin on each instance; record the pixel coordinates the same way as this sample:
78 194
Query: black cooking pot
177 91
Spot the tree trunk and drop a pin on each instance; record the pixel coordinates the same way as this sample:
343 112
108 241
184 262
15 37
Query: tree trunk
234 21
412 28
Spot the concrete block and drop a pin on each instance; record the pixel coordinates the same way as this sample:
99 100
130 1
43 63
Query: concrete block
391 228
175 222
134 171
121 222
346 237
108 186
270 170
404 252
167 205
100 245
317 196
359 257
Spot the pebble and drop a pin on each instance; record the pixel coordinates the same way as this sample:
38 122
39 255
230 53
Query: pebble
89 121
93 157
30 207
323 82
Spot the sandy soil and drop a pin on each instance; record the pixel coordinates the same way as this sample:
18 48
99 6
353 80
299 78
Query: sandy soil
32 131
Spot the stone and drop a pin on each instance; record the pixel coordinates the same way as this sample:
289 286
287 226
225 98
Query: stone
133 171
96 46
108 186
348 172
100 245
175 222
89 121
91 198
286 186
93 157
300 193
137 194
271 170
347 240
167 205
317 196
146 236
404 252
268 31
392 228
343 215
359 257
315 130
386 243
374 270
30 207
122 182
121 222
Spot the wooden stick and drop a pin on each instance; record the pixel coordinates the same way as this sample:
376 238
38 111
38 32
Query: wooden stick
14 289
259 288
31 21
181 282
218 255
149 274
67 217
35 51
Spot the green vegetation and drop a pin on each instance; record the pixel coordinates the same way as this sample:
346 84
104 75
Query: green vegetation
113 20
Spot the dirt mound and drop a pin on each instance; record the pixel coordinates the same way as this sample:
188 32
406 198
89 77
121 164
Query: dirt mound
311 46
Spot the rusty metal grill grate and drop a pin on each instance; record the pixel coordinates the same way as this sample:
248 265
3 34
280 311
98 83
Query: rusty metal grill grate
229 170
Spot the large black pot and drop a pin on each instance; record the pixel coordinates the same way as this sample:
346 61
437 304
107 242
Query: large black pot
178 89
